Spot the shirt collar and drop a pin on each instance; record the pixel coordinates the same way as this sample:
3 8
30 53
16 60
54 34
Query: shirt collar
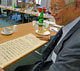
68 27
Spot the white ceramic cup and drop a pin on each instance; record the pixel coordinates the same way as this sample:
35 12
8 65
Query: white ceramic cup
33 22
6 30
15 28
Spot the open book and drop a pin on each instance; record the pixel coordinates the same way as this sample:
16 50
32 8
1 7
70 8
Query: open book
13 50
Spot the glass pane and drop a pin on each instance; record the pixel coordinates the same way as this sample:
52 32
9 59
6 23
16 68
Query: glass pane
69 1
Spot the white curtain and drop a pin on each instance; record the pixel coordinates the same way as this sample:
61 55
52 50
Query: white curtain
14 2
38 2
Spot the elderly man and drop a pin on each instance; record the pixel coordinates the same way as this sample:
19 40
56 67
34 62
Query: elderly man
63 52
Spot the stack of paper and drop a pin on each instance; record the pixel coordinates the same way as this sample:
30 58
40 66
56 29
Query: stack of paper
15 49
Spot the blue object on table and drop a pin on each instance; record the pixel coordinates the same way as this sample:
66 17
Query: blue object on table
16 16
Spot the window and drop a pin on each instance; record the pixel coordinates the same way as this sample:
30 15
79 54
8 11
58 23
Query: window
38 2
19 0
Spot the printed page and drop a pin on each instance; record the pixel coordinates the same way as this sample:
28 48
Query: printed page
15 49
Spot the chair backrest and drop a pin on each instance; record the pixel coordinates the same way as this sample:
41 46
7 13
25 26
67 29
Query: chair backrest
4 11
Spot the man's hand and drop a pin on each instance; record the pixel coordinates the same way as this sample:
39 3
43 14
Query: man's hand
1 69
47 38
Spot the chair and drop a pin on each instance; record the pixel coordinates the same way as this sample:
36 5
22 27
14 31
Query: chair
4 14
16 15
28 17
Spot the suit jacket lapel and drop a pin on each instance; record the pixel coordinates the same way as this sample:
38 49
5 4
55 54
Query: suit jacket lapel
68 35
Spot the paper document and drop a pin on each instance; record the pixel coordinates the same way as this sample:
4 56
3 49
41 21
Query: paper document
53 23
15 49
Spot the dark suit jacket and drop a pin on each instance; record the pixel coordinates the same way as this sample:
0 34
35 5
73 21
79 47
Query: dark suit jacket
68 52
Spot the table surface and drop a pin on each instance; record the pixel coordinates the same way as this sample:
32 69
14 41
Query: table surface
22 29
25 11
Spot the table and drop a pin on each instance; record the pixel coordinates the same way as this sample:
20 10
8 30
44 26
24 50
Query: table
24 11
23 29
